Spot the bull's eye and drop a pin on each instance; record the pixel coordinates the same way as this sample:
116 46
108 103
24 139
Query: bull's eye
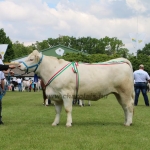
31 59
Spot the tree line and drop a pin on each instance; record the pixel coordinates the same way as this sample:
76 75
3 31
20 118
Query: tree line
98 50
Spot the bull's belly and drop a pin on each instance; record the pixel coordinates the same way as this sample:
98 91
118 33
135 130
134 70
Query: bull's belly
91 96
95 94
82 93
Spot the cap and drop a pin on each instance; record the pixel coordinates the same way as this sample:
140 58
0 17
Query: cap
141 66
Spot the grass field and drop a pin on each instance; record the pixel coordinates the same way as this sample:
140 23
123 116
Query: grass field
97 127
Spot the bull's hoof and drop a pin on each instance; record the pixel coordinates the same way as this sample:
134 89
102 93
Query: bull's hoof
54 124
127 124
68 125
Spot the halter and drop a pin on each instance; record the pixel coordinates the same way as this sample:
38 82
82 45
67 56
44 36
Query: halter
36 65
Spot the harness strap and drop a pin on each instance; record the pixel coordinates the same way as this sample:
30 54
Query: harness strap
106 63
77 81
75 70
57 74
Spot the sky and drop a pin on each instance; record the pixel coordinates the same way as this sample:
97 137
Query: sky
28 21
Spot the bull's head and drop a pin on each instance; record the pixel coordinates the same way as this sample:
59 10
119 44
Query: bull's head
32 62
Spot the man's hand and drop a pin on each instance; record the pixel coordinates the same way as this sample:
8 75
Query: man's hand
12 66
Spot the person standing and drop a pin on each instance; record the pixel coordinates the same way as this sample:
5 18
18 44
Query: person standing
30 86
2 93
19 84
141 78
2 85
35 81
14 82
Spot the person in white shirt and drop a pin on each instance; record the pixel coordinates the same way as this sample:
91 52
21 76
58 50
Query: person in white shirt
19 81
141 78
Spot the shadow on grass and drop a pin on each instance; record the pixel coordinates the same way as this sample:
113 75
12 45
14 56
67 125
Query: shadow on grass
142 106
97 123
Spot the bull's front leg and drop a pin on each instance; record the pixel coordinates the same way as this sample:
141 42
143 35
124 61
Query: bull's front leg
58 108
68 109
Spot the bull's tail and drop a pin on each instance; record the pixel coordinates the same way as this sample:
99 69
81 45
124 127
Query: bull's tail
123 60
129 63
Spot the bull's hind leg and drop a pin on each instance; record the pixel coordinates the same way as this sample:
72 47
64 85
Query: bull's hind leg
126 101
58 108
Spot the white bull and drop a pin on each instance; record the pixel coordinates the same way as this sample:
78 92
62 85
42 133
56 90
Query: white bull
65 80
25 85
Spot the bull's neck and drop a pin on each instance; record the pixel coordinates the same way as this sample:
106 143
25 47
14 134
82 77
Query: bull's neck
48 67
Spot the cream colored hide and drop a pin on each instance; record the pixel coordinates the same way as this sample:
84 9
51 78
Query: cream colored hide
38 85
96 81
25 85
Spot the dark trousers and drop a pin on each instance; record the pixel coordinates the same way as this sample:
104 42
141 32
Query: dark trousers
143 88
34 87
0 110
13 88
19 87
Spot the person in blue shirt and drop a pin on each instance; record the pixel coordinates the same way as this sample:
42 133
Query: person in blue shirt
35 81
141 78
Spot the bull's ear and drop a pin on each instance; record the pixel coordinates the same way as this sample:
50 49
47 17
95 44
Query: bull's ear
35 52
38 56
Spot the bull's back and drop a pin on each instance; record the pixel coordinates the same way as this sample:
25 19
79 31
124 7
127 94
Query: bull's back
104 78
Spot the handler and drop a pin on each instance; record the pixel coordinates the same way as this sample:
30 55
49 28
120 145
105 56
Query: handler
2 88
141 77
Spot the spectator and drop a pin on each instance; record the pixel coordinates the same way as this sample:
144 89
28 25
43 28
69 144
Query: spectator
141 77
2 85
35 81
19 81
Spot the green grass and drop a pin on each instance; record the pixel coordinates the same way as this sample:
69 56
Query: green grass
99 127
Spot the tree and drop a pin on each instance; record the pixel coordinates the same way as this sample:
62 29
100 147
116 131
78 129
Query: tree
113 45
9 55
145 50
123 52
19 49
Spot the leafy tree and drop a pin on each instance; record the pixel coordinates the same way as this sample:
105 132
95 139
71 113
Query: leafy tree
145 50
20 50
92 58
123 52
140 59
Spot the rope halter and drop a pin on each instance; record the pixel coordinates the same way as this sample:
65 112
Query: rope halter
35 65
